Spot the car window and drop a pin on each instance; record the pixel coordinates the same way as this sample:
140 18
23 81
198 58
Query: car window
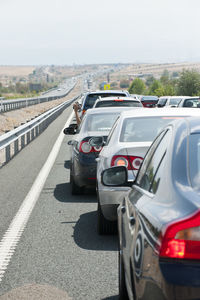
100 122
143 129
112 130
194 160
192 103
157 177
162 101
149 181
128 103
174 101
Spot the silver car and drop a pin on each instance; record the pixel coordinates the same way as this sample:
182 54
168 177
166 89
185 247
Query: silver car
127 144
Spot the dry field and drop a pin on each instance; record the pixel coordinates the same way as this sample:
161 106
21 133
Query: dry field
16 70
156 69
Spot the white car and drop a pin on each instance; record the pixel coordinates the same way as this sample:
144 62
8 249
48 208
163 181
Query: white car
170 101
118 102
127 143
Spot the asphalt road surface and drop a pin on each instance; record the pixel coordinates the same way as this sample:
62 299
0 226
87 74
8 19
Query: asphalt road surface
58 254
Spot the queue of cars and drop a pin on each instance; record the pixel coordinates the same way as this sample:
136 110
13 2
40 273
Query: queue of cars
152 189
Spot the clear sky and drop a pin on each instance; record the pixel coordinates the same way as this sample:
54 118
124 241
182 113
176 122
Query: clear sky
35 32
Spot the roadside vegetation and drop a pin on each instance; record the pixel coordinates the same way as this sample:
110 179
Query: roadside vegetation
24 90
185 83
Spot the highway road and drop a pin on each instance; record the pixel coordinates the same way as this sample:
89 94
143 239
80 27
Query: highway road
58 254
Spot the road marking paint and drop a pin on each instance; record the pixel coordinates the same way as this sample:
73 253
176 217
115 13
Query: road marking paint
12 235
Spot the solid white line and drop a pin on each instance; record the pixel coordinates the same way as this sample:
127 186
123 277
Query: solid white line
16 228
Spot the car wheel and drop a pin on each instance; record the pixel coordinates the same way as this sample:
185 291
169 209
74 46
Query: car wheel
75 189
123 294
105 227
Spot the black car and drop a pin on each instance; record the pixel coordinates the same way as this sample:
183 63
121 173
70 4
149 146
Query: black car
96 122
159 219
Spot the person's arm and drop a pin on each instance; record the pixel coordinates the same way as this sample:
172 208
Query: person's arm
76 108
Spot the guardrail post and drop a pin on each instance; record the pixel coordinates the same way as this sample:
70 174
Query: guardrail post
22 141
28 137
7 153
16 147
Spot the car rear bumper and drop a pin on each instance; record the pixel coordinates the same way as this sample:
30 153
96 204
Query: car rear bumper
84 174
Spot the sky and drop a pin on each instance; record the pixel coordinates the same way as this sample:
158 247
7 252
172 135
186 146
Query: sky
68 32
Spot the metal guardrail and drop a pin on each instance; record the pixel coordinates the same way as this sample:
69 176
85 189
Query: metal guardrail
15 140
7 105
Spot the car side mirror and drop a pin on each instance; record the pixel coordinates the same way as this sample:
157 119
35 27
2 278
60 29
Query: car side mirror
97 141
115 176
160 105
69 130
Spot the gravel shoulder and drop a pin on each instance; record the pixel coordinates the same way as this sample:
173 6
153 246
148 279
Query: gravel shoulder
11 119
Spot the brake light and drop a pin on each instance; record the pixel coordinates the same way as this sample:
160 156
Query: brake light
182 239
85 147
118 100
131 162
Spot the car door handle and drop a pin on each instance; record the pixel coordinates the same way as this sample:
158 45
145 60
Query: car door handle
132 221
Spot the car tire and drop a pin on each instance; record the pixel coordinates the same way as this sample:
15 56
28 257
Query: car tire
105 227
75 189
123 294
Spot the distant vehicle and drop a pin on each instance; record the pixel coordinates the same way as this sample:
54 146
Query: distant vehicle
58 89
127 144
159 219
149 101
90 97
192 102
169 101
96 122
117 101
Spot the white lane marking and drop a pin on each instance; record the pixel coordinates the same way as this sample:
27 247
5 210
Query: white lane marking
16 228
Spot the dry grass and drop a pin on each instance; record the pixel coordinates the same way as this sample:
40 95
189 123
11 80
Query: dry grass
16 70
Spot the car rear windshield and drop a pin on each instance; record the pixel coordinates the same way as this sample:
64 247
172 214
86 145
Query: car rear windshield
192 103
149 99
174 101
127 103
100 122
143 129
91 98
194 160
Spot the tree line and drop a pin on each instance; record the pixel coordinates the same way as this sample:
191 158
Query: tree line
185 83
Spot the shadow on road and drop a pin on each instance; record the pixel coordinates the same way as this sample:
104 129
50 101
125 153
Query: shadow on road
86 237
63 194
67 164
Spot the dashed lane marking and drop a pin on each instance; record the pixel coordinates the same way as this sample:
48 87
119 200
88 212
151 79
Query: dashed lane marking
12 235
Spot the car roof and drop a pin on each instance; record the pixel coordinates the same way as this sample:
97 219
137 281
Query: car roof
118 97
107 92
179 97
150 112
101 110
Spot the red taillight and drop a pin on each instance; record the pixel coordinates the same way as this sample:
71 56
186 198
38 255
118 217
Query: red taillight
182 239
85 147
131 162
118 100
